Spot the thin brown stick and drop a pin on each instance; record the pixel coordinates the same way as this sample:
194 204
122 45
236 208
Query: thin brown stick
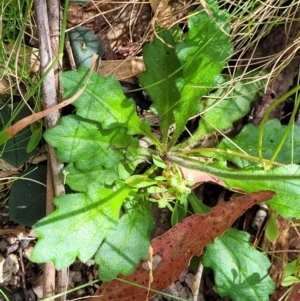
49 99
49 269
197 281
23 272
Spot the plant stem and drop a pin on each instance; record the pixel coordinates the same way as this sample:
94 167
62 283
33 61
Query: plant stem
192 163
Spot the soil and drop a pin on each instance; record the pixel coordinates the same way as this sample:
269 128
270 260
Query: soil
123 37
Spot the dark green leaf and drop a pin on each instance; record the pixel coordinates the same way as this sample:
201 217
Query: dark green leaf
34 140
14 150
162 68
202 55
27 199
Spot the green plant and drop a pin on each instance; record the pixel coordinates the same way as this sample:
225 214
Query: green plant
110 213
291 277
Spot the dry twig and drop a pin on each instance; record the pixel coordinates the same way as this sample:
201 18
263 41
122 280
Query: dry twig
49 100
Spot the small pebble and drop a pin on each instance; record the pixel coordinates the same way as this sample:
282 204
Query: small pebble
38 290
77 277
189 280
14 281
23 244
27 252
90 262
90 276
3 245
12 248
182 276
80 292
11 240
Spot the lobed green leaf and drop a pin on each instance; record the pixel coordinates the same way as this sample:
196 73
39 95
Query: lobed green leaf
222 109
79 180
179 74
202 54
127 244
247 140
103 101
241 271
86 143
285 202
78 226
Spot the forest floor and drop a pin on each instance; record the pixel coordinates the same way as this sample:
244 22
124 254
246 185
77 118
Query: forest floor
123 31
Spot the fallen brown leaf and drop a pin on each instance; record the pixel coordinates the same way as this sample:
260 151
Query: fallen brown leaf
173 250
